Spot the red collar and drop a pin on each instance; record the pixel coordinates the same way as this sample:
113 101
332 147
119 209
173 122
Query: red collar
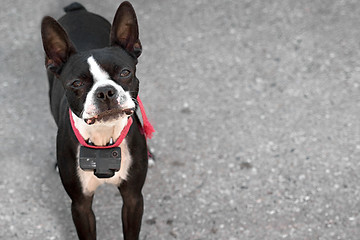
147 127
81 140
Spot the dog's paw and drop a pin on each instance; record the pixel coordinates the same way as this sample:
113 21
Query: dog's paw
151 162
151 159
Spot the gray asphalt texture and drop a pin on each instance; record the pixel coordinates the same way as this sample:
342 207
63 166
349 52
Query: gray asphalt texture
256 105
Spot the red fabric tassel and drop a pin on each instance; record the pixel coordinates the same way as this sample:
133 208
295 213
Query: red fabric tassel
148 128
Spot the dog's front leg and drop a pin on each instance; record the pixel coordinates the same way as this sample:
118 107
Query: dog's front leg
83 217
132 211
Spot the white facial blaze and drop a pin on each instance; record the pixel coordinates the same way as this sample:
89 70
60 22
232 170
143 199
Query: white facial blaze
97 72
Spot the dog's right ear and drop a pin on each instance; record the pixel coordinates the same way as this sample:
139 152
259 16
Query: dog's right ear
57 45
125 30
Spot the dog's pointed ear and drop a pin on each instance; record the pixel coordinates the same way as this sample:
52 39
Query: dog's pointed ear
125 31
57 45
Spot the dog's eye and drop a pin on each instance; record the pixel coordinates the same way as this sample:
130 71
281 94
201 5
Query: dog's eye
77 83
125 73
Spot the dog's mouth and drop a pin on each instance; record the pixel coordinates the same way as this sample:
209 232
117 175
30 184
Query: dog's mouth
109 114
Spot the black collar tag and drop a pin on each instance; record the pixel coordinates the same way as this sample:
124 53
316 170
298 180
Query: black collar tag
104 162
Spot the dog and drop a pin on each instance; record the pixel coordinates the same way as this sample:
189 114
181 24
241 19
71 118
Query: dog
93 92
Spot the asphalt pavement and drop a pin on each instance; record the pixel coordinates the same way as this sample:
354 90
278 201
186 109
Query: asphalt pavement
256 105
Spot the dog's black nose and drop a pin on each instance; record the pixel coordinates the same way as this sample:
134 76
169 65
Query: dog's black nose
105 93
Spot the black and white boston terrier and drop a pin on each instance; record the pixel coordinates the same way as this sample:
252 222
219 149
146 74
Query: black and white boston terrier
91 68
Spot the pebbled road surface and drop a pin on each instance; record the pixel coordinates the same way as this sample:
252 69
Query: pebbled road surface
256 106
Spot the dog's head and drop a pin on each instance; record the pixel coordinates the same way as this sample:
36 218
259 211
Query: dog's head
100 84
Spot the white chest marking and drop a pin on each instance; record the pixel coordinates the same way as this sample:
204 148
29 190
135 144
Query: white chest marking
90 182
101 132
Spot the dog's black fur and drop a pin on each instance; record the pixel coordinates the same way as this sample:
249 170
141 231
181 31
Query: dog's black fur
68 42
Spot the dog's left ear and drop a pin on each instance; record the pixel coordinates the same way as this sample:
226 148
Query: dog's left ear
125 31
